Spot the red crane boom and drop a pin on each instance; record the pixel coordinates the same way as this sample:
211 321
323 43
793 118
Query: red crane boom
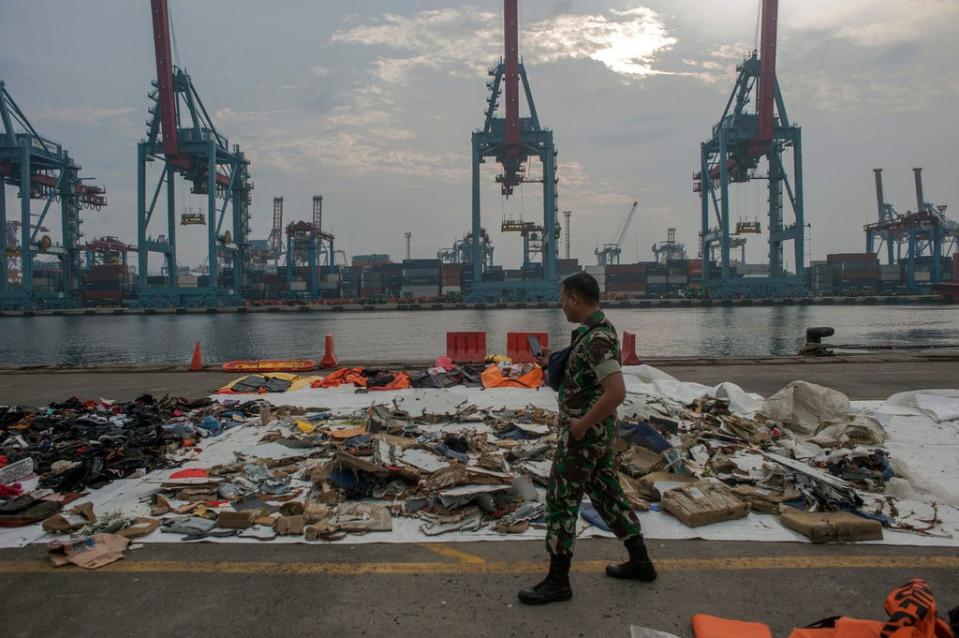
511 27
767 71
166 100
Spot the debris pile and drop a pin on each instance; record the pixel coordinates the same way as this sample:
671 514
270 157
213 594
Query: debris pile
433 460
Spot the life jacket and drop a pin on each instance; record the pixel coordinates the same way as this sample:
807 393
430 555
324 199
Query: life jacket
341 377
493 377
911 609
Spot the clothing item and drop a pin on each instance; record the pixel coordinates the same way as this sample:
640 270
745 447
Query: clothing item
585 466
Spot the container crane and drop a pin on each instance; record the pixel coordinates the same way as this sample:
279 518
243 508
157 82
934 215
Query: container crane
732 155
181 135
511 141
304 248
43 170
927 232
107 250
669 250
608 254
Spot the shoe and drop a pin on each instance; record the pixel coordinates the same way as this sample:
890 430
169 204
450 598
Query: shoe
638 567
555 587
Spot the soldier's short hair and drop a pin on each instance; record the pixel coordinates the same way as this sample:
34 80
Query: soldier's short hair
584 286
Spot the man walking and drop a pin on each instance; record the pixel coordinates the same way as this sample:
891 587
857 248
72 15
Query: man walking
590 391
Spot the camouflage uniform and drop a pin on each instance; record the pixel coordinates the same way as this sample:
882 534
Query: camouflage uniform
587 465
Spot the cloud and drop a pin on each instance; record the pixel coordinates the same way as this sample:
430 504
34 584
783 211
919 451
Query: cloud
229 116
463 41
83 114
875 23
319 71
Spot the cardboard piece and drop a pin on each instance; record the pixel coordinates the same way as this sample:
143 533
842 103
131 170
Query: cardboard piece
234 520
760 499
92 552
826 527
139 528
315 511
363 517
704 502
75 518
652 485
289 525
640 461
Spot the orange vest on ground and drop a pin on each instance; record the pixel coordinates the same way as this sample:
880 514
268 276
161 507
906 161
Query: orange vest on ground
493 377
911 609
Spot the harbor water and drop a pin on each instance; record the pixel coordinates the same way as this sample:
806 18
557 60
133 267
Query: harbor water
392 336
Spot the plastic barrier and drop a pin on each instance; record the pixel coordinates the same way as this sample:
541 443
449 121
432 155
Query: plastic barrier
466 347
517 345
628 355
329 359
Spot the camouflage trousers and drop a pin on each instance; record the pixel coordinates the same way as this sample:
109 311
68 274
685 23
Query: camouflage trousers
585 466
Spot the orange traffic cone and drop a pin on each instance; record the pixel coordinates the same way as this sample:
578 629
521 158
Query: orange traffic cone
197 363
329 359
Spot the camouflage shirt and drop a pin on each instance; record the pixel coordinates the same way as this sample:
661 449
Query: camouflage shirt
595 357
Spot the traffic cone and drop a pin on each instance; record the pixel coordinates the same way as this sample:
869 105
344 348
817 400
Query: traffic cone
329 359
197 363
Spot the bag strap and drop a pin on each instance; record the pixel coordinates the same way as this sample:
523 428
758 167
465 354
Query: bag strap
582 335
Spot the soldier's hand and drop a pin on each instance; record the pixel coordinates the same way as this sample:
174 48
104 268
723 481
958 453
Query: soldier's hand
577 431
543 361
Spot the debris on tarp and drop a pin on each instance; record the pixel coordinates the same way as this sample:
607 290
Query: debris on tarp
91 552
700 455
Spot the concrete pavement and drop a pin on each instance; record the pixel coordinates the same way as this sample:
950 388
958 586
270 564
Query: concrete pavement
858 376
456 589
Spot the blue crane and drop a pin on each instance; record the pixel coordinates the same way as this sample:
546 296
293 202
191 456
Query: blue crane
609 254
43 170
181 136
512 140
732 155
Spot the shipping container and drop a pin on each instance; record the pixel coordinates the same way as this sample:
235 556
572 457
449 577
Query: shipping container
652 280
370 260
625 287
852 257
420 291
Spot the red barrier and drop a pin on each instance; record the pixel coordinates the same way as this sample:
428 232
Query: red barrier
466 347
628 350
517 346
329 359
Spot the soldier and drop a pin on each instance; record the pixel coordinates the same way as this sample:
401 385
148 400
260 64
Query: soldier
590 391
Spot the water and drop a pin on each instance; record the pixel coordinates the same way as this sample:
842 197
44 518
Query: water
420 335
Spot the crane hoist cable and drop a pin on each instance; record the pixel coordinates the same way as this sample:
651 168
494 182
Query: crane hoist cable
176 50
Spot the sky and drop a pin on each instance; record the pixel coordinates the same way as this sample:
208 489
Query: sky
371 104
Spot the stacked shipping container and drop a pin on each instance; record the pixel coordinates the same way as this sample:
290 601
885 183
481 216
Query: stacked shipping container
421 278
108 283
854 272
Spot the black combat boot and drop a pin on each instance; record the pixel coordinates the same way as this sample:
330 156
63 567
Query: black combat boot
555 587
638 567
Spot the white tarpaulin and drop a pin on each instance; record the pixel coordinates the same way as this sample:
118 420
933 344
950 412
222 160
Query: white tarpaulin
924 450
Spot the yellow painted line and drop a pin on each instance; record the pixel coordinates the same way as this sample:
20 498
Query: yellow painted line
450 552
743 563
